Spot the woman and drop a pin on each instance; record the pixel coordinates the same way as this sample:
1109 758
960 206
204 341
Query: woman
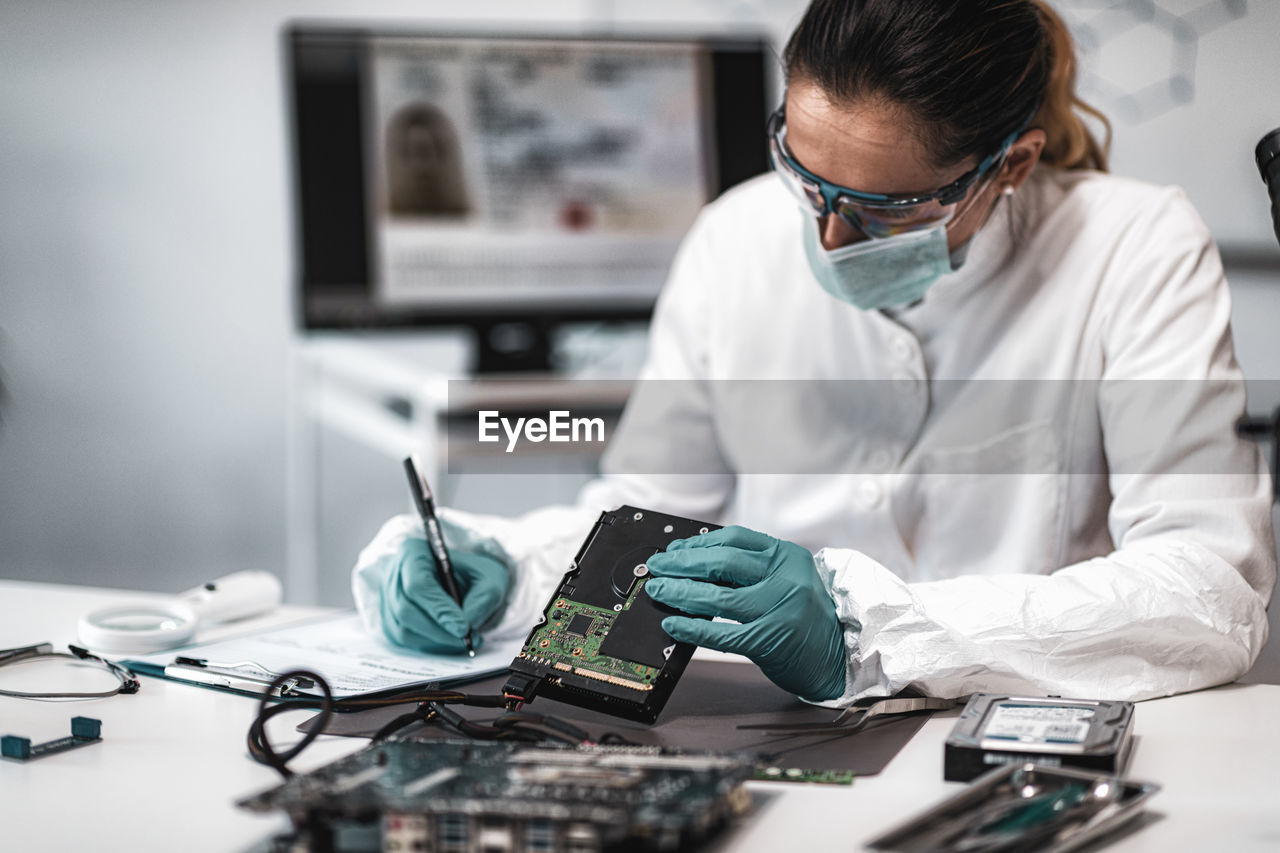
1047 495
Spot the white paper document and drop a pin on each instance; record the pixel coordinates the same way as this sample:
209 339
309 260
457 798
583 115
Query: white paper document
340 649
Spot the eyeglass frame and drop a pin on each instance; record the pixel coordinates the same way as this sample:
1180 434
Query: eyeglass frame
44 651
948 195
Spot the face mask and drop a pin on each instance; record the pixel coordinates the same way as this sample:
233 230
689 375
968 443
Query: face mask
884 273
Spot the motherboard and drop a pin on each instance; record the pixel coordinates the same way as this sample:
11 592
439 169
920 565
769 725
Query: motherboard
461 796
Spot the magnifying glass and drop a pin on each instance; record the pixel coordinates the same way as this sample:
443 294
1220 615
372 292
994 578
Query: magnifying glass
154 627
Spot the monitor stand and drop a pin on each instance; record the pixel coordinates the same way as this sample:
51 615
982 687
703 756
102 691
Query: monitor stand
516 346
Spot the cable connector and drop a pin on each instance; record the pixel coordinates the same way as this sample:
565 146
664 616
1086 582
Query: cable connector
519 689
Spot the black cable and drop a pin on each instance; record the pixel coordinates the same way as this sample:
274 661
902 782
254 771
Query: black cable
463 726
260 745
422 713
527 720
262 751
521 726
361 703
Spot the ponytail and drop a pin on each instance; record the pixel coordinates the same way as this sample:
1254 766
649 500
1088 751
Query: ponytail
1070 145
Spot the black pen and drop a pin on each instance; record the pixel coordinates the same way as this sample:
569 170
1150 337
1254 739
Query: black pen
427 510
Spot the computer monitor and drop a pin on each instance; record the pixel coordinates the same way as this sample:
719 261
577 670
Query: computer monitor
500 182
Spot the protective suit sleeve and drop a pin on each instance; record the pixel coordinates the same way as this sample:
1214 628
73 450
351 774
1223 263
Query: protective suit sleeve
1180 603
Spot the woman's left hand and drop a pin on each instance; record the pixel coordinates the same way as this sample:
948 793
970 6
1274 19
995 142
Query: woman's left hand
787 621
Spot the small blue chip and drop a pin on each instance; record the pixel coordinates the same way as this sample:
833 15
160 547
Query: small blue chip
84 731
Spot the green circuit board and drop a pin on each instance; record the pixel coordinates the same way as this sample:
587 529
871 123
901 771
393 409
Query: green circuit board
569 640
449 795
768 773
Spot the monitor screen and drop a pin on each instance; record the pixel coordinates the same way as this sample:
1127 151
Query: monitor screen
447 178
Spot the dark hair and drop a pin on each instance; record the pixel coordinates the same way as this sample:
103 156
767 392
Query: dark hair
967 72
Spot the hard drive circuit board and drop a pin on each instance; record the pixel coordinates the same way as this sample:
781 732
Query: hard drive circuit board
599 643
571 638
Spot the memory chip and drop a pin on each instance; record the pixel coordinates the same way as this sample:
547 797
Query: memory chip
580 624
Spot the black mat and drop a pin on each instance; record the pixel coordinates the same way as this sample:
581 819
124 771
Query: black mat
711 701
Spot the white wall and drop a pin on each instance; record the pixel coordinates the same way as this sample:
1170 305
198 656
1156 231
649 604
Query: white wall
143 313
1138 58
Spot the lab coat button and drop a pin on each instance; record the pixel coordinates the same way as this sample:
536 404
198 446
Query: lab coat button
903 349
869 494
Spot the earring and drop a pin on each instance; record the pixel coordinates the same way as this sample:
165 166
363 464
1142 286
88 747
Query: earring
1006 190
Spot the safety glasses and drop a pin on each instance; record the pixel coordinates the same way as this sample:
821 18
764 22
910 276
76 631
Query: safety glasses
874 214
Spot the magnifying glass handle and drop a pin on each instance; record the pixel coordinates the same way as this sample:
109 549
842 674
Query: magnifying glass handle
234 596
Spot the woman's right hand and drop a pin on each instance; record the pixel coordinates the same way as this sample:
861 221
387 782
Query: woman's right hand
418 614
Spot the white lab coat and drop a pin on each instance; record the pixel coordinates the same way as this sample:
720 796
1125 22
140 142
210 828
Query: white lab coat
971 541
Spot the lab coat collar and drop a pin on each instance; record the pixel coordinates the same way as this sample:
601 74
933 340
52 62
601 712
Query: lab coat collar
989 249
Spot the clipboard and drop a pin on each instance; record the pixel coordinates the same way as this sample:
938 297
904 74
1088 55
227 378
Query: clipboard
246 679
335 646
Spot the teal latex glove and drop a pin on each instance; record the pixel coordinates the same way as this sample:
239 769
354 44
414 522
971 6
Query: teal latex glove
788 623
418 614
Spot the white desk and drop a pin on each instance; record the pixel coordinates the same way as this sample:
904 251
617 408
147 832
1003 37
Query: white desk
173 760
